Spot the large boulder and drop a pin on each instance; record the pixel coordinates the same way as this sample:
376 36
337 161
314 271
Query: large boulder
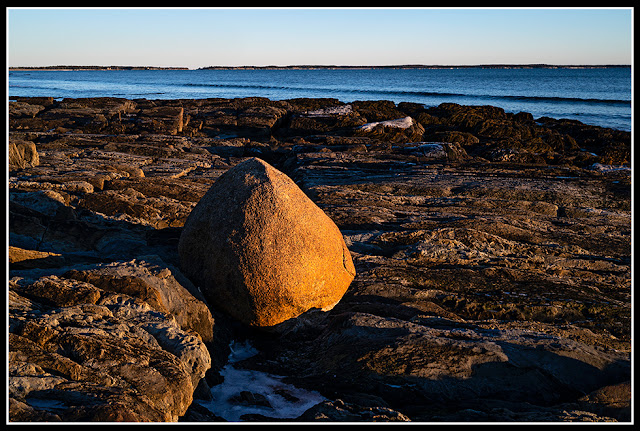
261 250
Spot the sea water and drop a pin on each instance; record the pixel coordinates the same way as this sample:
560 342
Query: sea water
284 400
597 96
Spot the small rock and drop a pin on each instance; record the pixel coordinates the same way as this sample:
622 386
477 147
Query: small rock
23 154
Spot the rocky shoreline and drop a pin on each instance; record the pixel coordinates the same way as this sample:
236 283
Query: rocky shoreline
492 255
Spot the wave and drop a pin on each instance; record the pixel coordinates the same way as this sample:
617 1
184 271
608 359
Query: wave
557 99
415 93
153 93
37 87
520 98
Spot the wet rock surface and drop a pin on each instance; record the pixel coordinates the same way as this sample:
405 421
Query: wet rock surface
492 255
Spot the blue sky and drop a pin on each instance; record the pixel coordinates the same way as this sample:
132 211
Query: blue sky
340 36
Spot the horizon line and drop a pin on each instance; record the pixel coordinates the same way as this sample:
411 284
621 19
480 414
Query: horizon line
316 66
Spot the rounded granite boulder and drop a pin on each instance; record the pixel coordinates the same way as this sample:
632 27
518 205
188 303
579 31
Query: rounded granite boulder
261 250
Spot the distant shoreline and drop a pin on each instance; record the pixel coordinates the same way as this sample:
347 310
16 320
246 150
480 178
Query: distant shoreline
96 68
315 67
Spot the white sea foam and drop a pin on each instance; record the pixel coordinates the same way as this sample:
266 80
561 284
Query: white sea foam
402 123
286 401
334 110
608 168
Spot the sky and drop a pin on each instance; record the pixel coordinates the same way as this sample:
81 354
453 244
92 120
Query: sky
201 37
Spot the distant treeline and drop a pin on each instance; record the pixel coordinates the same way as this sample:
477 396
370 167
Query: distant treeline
97 68
422 66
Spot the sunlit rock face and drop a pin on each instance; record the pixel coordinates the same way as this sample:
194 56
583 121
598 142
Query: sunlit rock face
105 343
23 154
261 250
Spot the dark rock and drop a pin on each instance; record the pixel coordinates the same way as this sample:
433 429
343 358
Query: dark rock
251 399
339 411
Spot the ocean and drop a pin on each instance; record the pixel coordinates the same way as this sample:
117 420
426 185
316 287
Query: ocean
596 96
